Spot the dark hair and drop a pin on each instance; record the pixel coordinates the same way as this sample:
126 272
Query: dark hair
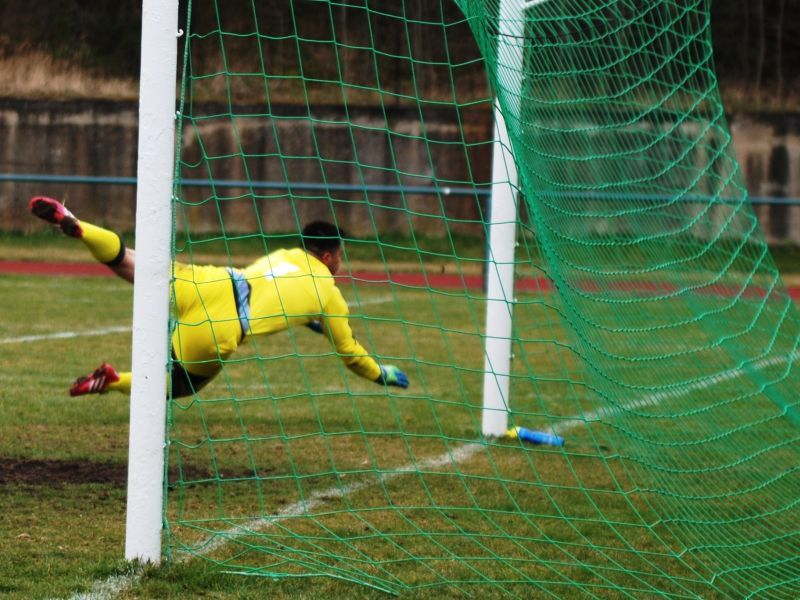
320 237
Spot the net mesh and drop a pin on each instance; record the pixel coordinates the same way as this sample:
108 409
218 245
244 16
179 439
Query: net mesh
650 326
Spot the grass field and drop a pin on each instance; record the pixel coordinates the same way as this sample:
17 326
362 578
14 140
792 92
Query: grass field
64 461
289 465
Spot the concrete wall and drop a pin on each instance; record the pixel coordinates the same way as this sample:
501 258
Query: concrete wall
768 151
75 138
99 138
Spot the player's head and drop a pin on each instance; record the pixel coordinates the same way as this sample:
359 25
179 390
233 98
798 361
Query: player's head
324 240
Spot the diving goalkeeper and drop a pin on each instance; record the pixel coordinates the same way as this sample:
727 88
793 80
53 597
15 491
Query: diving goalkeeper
218 308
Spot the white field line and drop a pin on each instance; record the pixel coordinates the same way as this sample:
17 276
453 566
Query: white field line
658 397
108 589
117 584
64 335
454 456
367 301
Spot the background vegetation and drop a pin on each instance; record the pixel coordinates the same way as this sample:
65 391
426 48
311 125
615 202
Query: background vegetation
757 43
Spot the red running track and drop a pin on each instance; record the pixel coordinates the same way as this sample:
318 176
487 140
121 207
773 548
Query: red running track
417 280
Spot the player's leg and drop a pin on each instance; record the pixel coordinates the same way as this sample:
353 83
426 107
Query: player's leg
185 383
105 245
106 378
103 379
207 332
207 329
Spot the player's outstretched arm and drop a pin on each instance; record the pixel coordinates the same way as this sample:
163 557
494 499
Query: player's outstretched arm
389 374
335 324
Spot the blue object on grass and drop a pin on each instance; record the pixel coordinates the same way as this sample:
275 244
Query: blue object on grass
536 437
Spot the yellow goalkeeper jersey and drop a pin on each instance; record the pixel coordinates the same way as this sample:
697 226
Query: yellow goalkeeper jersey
290 287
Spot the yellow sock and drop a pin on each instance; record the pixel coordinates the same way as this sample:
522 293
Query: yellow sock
123 386
105 245
124 383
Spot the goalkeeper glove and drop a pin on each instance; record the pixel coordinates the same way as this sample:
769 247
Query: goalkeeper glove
315 325
391 375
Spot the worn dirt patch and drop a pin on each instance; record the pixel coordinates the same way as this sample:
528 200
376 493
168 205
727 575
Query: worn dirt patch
55 473
61 472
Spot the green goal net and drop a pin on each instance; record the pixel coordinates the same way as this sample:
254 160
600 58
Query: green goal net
650 327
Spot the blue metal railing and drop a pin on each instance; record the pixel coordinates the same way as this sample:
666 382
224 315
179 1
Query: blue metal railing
339 187
242 183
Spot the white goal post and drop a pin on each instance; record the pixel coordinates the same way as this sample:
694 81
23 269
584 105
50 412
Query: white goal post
144 520
151 288
502 226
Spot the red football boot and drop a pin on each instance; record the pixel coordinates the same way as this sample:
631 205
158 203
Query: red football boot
56 213
96 382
